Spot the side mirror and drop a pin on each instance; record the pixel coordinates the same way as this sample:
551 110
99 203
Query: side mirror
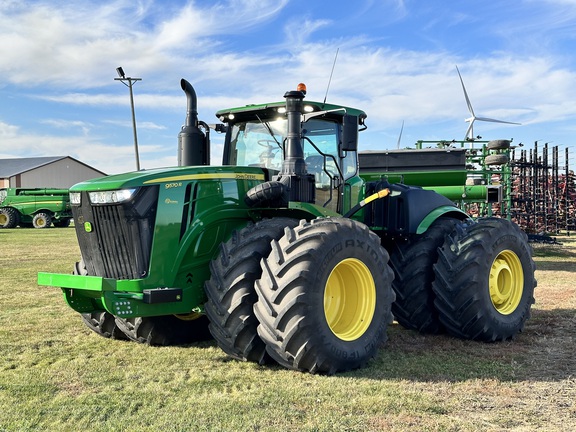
219 127
349 137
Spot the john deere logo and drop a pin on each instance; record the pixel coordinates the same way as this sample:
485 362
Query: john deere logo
87 227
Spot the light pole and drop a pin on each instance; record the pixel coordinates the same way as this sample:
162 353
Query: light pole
123 79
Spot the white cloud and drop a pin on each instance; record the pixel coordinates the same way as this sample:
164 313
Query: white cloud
81 42
140 125
8 130
69 125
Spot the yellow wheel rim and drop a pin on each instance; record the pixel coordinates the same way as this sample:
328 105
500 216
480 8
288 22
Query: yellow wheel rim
506 282
349 299
3 219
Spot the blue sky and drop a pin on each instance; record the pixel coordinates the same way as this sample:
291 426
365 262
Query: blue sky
396 61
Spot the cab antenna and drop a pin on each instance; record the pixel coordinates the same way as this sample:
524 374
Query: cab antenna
332 72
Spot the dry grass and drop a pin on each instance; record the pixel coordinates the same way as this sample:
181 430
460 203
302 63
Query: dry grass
56 375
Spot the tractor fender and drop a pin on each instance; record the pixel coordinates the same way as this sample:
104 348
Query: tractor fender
444 211
407 209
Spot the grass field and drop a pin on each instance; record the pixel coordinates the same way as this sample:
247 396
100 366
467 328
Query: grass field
56 375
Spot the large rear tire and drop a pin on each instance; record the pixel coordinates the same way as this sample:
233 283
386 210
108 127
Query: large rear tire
230 289
325 295
412 262
9 217
166 330
485 282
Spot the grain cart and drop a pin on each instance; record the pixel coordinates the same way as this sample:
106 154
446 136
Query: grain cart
285 252
38 208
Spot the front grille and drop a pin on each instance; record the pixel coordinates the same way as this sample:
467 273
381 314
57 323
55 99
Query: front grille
120 239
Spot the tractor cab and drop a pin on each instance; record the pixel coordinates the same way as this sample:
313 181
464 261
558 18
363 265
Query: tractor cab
257 135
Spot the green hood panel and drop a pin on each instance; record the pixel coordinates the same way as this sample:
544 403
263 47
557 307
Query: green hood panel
167 176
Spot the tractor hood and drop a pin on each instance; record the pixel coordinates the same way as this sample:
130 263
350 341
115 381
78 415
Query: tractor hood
168 175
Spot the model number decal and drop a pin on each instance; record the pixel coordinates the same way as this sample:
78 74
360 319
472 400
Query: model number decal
173 185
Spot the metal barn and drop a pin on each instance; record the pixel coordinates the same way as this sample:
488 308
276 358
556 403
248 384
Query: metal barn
44 172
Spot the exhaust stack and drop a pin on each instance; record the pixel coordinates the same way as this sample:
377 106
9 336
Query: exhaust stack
193 143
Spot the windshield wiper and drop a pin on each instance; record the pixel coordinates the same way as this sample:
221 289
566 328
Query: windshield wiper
270 131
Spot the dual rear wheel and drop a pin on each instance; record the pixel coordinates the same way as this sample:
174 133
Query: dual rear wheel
484 280
474 280
314 296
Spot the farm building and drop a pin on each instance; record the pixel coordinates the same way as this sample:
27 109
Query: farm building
45 172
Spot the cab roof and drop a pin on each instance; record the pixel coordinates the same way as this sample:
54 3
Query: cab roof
273 109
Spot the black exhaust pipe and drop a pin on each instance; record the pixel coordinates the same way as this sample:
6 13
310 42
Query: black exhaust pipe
193 143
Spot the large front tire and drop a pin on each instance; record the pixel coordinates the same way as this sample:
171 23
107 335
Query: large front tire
325 295
230 289
166 330
100 322
9 217
485 282
62 223
103 323
412 262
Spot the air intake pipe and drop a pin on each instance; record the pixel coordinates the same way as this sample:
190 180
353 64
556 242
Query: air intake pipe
293 175
193 143
293 182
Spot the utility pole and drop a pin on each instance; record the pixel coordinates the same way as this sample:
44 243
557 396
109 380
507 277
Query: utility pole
129 82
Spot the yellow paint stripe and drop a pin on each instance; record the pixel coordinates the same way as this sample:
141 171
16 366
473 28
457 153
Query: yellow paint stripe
213 176
35 202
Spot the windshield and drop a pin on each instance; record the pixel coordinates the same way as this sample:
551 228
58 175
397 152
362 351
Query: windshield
260 143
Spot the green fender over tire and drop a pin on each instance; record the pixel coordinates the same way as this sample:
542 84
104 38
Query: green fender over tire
325 295
484 281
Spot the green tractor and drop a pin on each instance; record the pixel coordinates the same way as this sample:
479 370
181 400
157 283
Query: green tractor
35 207
285 252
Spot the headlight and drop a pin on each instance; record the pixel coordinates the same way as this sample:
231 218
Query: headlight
75 198
111 197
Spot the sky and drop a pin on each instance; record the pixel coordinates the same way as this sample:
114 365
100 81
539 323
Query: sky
394 59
